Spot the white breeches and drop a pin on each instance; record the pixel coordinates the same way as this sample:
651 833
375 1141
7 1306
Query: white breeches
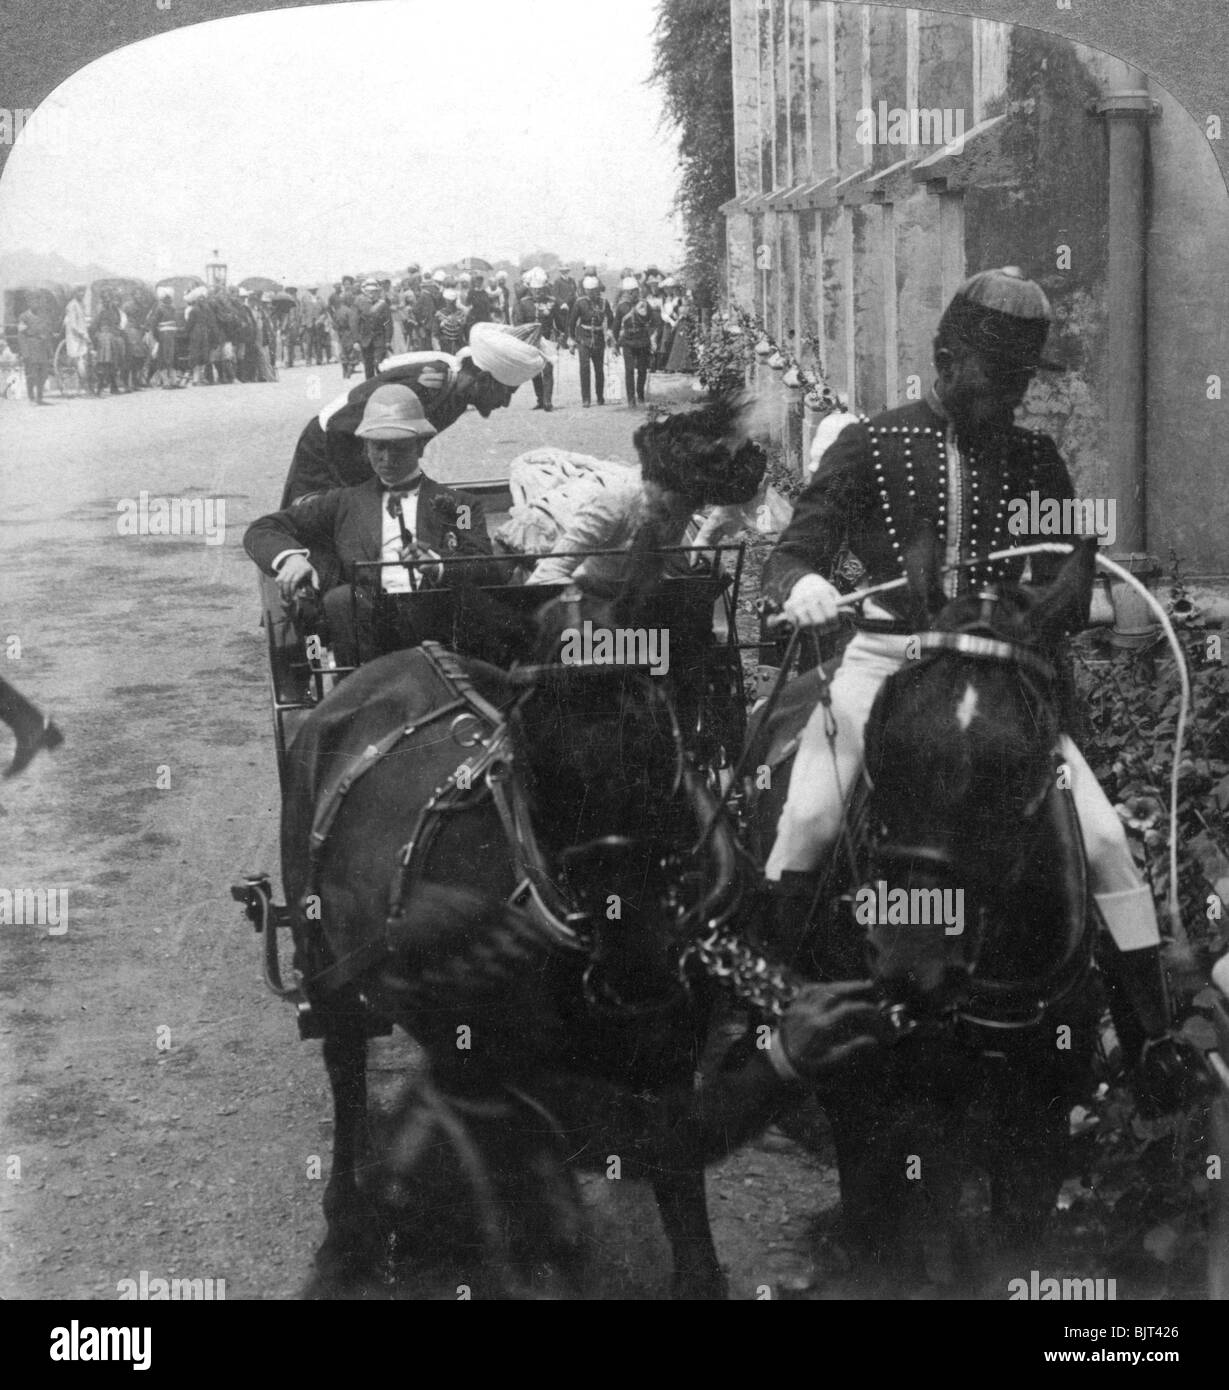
824 775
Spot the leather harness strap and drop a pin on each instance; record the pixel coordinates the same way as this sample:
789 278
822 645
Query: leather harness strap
986 648
485 773
331 801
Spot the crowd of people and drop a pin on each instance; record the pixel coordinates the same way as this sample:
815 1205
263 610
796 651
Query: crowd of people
218 335
374 318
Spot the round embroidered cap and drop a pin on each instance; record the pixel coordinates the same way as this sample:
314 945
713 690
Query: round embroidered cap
1003 314
394 412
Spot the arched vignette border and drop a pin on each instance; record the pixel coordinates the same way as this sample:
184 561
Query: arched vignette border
1182 44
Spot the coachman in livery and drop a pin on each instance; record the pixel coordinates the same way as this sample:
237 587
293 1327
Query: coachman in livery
941 470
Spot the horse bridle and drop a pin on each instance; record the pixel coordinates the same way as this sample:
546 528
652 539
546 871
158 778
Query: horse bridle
723 881
1038 677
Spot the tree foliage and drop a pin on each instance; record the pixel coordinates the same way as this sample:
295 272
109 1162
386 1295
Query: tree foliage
692 68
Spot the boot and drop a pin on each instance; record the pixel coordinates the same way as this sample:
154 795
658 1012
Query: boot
786 922
1139 999
32 729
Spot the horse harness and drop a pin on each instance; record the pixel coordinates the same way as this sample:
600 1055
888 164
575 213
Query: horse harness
1001 1005
488 775
858 840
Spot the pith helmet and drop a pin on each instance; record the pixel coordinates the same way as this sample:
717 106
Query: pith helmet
394 412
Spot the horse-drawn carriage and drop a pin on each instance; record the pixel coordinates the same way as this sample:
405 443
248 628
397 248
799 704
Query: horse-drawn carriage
300 674
545 795
49 298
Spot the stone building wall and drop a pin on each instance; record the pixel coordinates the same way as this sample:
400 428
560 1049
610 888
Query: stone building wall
859 242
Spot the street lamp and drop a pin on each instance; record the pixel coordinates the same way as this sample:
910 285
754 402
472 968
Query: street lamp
215 272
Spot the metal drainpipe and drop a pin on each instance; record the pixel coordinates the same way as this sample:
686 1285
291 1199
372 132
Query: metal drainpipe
1128 112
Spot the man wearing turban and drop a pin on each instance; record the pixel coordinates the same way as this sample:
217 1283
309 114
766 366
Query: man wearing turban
485 375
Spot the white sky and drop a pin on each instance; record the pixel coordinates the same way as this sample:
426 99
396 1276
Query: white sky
304 143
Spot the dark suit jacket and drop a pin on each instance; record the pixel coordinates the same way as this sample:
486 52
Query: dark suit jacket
346 525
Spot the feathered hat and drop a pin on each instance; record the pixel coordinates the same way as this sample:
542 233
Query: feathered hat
706 454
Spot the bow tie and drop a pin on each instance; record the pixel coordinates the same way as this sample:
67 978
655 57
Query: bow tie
398 491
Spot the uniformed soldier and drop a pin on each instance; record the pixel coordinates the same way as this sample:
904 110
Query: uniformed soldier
541 307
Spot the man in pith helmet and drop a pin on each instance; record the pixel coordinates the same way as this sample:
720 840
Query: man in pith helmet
398 513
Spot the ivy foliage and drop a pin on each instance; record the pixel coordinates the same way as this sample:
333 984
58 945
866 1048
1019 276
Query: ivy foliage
692 68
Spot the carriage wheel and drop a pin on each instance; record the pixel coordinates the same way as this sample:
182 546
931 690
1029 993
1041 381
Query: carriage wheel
66 379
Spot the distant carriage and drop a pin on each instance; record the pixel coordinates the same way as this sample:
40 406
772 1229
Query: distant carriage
179 286
48 295
51 298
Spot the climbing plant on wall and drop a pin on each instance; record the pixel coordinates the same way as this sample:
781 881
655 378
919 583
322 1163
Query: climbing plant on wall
692 68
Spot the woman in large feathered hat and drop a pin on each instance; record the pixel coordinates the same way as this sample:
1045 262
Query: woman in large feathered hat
689 460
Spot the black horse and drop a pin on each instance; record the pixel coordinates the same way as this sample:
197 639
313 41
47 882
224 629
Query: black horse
509 865
960 890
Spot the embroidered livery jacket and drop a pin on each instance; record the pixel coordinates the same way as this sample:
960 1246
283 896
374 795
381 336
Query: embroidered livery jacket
883 477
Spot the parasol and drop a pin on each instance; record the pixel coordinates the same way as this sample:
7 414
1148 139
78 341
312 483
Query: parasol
260 284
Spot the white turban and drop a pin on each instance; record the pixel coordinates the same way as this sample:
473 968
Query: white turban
511 361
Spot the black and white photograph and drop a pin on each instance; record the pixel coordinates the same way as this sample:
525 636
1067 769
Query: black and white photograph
615 662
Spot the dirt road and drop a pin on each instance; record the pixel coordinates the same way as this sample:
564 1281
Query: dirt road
159 1113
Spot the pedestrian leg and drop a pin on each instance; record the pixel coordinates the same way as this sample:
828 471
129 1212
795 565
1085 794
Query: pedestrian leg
599 373
583 354
629 376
